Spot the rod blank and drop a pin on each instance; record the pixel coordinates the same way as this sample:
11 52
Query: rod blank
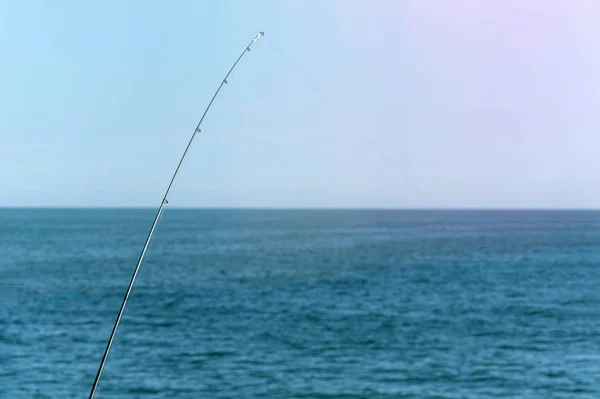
157 218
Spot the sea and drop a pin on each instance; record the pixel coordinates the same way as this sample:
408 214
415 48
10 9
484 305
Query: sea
301 304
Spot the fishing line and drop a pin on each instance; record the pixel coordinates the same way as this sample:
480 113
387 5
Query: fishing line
364 136
165 201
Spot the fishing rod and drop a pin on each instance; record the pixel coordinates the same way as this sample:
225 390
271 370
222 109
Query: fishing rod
157 217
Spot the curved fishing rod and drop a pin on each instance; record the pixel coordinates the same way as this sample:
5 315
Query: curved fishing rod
157 217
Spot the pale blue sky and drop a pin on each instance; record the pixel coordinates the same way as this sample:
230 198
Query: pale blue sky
481 104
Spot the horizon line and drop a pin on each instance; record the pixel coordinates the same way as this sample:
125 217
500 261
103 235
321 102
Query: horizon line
302 208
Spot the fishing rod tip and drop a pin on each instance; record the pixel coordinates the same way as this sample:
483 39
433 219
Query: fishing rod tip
258 36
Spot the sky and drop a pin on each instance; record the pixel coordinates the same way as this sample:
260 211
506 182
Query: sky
481 104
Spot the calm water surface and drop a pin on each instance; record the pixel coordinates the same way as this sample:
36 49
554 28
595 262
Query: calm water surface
302 304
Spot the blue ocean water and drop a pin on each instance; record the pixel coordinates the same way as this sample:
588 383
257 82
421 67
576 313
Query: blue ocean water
302 304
